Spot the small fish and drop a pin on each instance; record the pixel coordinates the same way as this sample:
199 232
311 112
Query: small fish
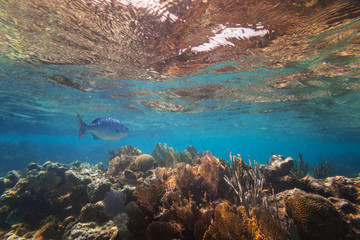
103 129
14 217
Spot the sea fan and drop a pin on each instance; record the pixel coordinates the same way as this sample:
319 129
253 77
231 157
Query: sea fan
114 203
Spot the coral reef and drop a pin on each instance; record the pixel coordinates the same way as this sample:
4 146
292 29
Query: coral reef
47 199
131 167
202 198
180 199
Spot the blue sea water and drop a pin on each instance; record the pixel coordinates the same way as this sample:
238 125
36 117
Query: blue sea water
211 108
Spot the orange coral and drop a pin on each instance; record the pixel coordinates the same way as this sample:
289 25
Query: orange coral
200 181
314 216
149 196
264 225
209 169
229 225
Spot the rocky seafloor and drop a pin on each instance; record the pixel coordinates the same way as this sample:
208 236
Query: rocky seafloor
170 195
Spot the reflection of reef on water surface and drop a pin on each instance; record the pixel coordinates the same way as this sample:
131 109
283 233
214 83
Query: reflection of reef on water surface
172 195
183 57
150 39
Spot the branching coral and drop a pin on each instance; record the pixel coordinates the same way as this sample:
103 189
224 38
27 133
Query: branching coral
300 169
167 157
164 155
129 151
247 182
322 170
125 150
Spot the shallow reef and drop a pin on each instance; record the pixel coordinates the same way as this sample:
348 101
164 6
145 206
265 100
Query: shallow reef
171 195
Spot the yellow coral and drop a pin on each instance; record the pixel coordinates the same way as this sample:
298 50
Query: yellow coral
264 225
228 225
314 216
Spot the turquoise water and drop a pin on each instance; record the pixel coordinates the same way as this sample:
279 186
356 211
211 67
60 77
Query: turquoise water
248 103
40 117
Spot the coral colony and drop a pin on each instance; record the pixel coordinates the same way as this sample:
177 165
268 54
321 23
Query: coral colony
171 195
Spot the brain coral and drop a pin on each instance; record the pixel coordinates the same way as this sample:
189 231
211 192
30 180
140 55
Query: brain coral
314 216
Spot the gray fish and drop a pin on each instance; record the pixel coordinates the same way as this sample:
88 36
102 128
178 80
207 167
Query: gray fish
14 217
103 129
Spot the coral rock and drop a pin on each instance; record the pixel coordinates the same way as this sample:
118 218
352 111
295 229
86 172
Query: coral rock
343 187
314 216
2 185
52 229
119 164
17 195
75 178
350 212
13 177
32 166
144 162
137 222
92 231
93 213
317 186
163 231
278 167
130 175
14 237
79 197
98 189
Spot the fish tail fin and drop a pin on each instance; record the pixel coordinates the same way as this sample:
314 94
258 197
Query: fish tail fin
82 127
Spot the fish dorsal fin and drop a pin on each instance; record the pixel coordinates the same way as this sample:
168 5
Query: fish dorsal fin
96 137
96 120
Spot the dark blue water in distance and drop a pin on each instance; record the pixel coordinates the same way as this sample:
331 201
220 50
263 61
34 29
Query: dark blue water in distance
296 92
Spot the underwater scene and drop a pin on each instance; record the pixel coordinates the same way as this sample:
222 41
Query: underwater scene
180 119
